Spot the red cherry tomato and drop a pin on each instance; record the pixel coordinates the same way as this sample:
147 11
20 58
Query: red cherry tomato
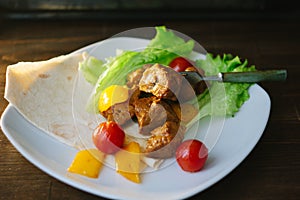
108 137
179 64
191 155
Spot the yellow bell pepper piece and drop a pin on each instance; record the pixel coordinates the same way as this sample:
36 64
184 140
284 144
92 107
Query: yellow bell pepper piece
88 163
112 95
128 162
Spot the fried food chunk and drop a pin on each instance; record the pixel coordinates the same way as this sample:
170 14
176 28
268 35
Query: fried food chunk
164 140
162 82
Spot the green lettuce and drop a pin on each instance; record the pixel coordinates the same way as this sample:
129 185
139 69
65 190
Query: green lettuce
223 98
92 68
170 42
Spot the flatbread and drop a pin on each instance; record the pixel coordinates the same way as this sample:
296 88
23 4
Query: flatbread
42 92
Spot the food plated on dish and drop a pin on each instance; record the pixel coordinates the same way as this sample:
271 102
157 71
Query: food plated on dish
144 88
123 96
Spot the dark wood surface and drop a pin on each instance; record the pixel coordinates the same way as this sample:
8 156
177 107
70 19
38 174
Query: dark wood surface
271 171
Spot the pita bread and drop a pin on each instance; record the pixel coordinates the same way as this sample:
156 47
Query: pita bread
42 92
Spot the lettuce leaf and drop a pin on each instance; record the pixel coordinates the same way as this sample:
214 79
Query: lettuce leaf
170 42
161 49
92 68
223 98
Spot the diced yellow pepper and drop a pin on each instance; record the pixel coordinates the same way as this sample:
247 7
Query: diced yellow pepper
88 163
112 95
128 162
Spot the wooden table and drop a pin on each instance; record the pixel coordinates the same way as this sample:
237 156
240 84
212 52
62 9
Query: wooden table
271 171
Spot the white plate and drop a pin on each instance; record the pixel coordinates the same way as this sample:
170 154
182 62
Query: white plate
239 136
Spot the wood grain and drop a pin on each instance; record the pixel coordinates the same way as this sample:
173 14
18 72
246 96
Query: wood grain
271 171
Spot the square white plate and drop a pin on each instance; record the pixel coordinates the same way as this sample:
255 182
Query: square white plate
238 137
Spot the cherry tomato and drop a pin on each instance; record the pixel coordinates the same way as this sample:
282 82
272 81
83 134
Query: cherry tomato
179 64
191 155
108 137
